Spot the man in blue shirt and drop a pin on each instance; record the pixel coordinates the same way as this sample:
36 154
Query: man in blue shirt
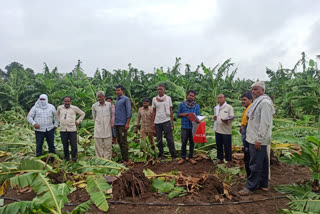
122 121
185 108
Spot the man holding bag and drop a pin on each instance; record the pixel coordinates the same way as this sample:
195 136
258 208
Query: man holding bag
185 109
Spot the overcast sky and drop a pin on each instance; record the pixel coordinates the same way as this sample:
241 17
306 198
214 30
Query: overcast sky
148 34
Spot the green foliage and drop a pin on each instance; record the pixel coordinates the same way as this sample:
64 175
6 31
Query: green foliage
169 188
97 187
22 207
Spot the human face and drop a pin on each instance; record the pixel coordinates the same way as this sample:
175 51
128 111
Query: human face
67 102
145 104
109 101
119 92
221 99
191 96
101 98
161 91
245 102
257 91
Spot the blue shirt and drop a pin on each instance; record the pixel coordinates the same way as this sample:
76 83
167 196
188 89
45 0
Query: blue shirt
185 122
123 110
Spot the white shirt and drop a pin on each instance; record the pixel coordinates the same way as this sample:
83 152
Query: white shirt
162 110
43 117
102 116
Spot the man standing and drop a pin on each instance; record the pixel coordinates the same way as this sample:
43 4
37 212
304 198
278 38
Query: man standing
246 101
102 116
162 114
67 115
223 117
113 128
186 108
122 121
259 132
41 116
146 130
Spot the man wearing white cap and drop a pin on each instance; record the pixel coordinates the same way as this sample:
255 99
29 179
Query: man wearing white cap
259 132
44 120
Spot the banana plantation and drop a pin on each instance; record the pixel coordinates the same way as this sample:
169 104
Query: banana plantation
30 184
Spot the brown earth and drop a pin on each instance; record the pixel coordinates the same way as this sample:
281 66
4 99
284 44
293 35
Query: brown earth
258 202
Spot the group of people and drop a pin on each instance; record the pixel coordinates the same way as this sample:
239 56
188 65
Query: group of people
111 123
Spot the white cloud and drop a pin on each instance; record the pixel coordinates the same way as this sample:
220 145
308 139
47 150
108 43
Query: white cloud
149 33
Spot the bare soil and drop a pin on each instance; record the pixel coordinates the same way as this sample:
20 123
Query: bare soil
258 202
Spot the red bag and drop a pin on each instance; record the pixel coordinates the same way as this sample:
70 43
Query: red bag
200 135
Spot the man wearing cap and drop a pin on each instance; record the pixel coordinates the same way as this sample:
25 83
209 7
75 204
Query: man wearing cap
258 136
102 116
146 130
44 120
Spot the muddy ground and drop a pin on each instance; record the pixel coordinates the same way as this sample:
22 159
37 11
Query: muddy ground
258 202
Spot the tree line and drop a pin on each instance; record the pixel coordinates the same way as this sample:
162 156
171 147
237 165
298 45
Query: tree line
294 91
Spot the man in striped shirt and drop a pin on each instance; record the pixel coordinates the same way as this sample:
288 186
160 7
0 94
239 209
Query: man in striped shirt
43 118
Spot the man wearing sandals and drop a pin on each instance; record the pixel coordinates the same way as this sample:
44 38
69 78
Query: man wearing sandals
259 132
185 108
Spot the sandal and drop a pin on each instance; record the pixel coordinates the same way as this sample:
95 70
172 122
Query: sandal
192 161
245 191
181 161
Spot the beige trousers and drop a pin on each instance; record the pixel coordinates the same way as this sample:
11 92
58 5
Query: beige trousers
103 147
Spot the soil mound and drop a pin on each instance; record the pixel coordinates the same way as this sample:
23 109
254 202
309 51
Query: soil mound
133 183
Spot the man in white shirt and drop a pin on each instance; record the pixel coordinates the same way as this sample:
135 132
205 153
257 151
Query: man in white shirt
223 117
67 115
259 131
102 116
43 118
163 121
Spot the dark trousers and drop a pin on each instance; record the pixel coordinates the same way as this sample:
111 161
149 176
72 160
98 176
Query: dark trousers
186 134
223 142
246 153
66 139
166 128
123 143
259 166
49 135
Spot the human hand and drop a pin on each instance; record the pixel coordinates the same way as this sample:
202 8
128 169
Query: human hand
76 123
126 127
36 126
257 146
215 117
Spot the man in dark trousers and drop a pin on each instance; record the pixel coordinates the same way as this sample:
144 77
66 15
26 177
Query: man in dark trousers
163 121
67 115
122 121
246 101
185 108
258 136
